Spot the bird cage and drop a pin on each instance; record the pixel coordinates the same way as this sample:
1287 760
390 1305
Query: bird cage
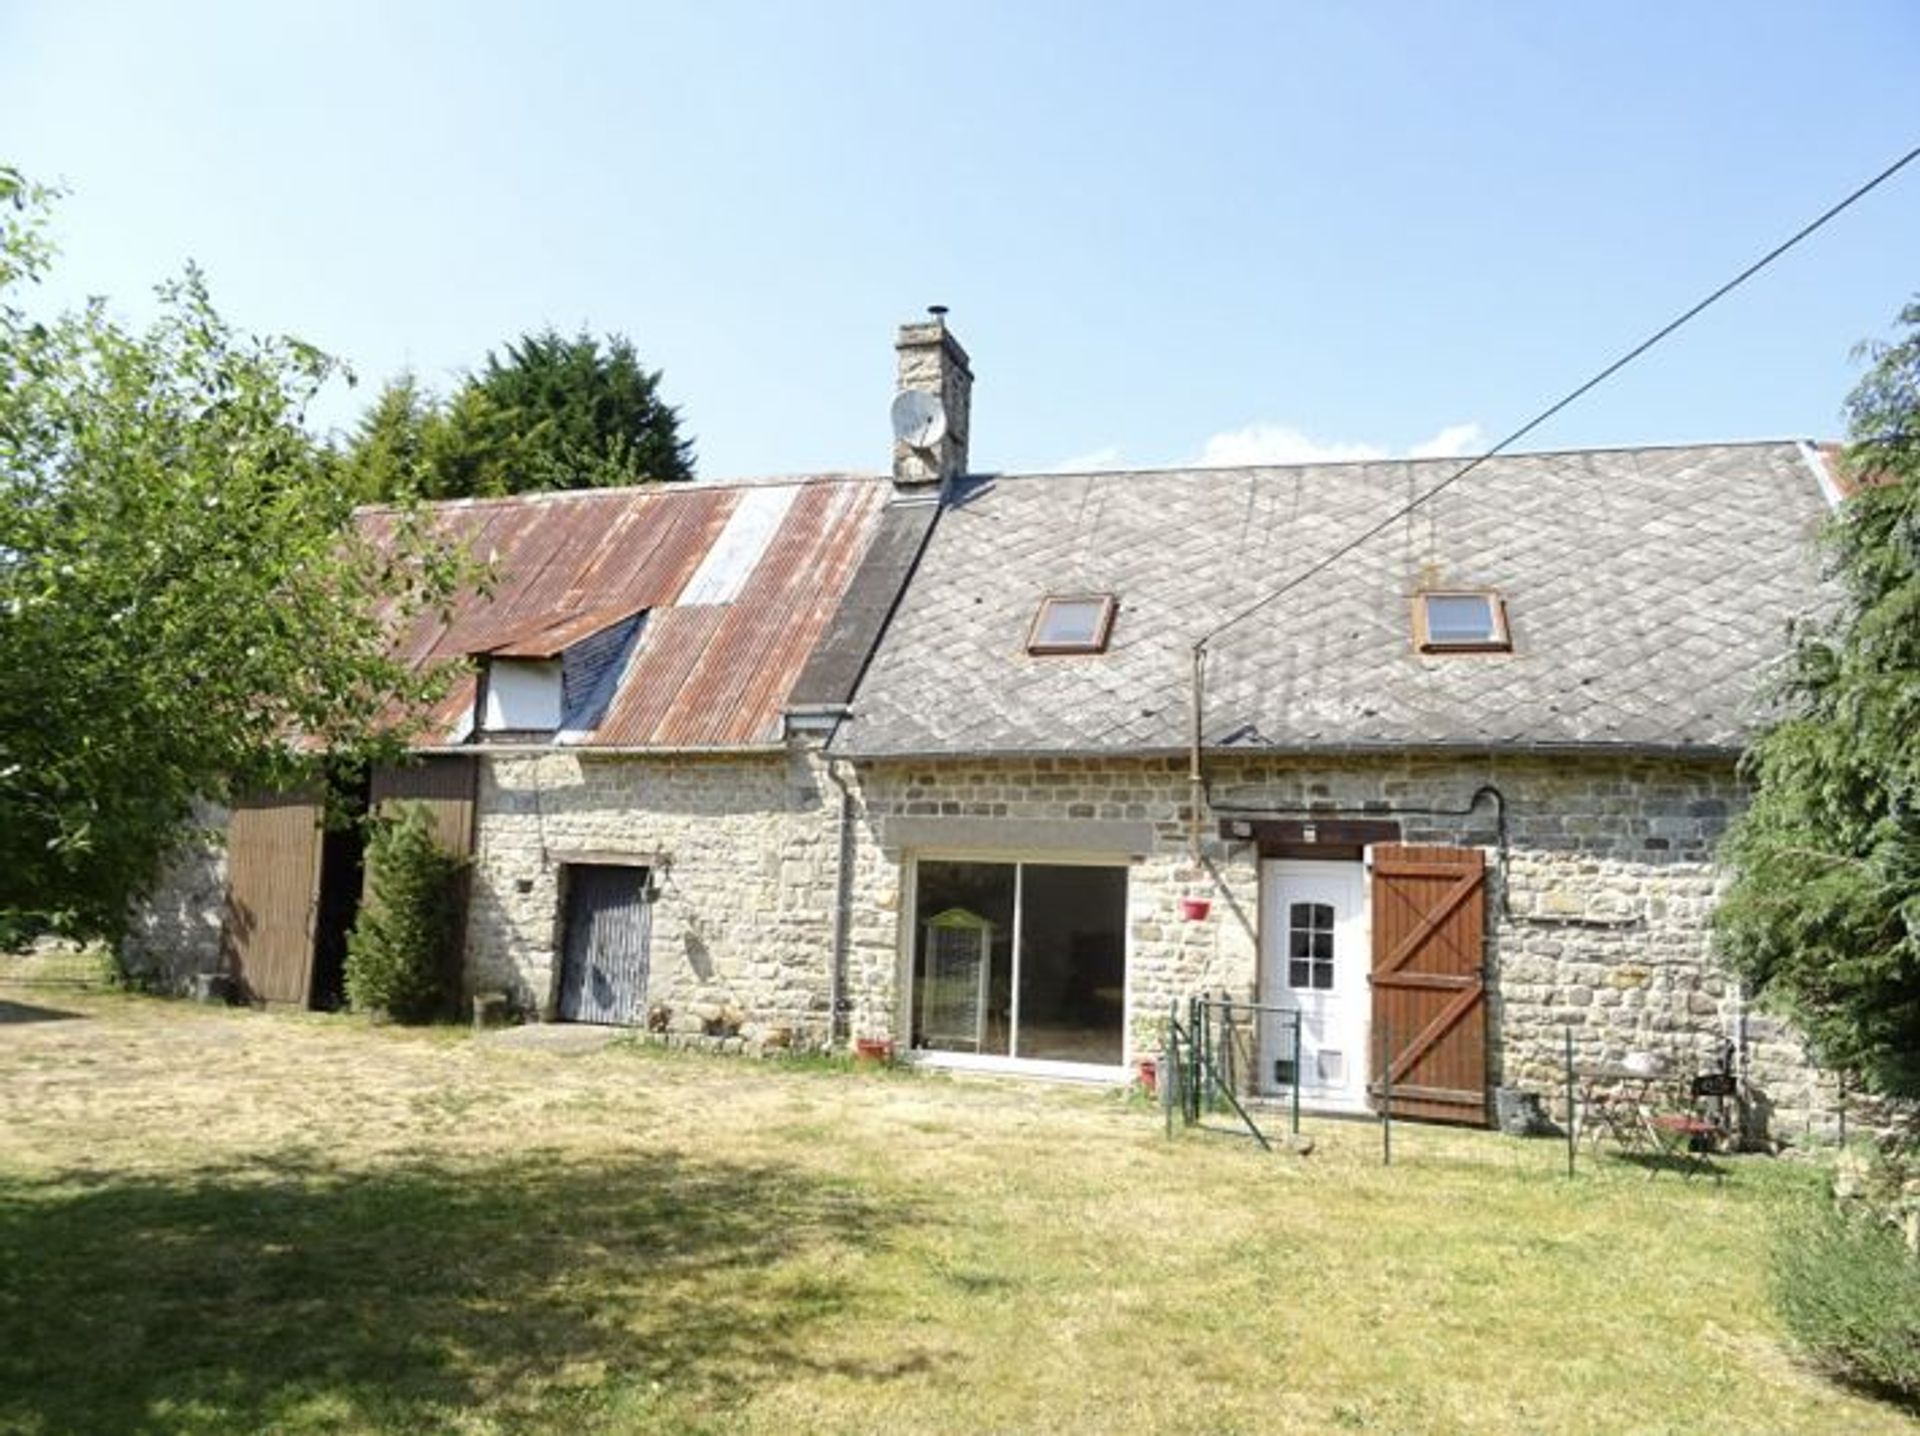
955 967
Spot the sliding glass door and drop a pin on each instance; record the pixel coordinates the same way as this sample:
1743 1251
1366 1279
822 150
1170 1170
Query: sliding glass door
1022 960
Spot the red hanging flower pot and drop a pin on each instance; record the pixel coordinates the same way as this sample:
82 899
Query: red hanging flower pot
1193 909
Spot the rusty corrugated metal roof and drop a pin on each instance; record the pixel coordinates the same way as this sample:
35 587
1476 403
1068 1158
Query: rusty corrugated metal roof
551 637
771 561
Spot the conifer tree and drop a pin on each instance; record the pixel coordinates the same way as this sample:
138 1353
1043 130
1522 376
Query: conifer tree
1824 914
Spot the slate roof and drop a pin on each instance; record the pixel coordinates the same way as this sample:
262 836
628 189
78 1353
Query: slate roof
1648 592
738 582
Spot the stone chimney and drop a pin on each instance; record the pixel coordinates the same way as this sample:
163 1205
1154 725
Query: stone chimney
931 360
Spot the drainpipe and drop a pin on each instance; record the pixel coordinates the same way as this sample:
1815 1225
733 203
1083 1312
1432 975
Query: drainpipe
842 910
1196 780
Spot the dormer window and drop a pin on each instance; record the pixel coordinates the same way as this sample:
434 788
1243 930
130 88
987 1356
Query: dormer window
1072 623
1463 622
555 678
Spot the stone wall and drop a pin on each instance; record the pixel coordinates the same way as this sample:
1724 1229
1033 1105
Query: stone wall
1165 957
745 851
1598 906
1598 914
173 934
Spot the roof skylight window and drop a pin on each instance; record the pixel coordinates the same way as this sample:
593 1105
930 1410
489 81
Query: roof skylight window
1460 623
1074 623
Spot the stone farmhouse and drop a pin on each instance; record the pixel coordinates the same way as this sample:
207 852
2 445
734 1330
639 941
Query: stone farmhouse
996 768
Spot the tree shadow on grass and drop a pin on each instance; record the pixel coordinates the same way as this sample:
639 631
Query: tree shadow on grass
13 1012
543 1291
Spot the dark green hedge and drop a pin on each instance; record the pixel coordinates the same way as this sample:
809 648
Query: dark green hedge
400 952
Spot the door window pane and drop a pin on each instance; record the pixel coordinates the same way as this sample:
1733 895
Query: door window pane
1310 945
963 958
1073 963
1065 954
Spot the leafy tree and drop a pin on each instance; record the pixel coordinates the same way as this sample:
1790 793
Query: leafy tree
549 413
1824 913
182 592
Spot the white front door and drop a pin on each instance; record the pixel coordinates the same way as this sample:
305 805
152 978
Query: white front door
1314 960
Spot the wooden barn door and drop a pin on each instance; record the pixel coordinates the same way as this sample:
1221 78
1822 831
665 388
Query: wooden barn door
273 891
445 784
1429 981
603 963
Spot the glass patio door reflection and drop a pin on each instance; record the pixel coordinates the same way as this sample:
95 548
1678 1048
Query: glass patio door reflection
1021 960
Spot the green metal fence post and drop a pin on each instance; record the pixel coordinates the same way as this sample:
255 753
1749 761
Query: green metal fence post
1572 1135
1181 1060
1206 1049
1207 1055
1229 1047
1386 1094
1199 1037
1193 1061
1170 1064
1296 1072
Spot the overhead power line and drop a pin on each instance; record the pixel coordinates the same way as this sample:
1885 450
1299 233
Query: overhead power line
1547 413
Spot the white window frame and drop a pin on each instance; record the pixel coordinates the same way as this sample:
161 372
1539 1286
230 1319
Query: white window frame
1019 859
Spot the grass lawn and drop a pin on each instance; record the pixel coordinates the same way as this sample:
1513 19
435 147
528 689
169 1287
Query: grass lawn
229 1221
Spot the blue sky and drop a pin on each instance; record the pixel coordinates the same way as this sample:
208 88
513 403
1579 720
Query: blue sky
1164 232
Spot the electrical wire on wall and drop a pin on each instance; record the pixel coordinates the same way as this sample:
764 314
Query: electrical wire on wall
1486 791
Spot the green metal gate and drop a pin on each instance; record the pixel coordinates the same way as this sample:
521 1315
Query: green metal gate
1207 1061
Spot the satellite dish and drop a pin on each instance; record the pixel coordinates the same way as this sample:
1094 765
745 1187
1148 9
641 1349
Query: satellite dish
919 419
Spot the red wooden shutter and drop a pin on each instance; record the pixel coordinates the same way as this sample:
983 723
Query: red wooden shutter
1429 982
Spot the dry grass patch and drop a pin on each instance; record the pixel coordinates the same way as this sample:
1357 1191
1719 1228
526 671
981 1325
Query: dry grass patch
220 1221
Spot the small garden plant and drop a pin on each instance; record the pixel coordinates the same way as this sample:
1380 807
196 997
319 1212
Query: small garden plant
1848 1287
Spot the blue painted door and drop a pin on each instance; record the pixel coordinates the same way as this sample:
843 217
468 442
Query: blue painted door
603 966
